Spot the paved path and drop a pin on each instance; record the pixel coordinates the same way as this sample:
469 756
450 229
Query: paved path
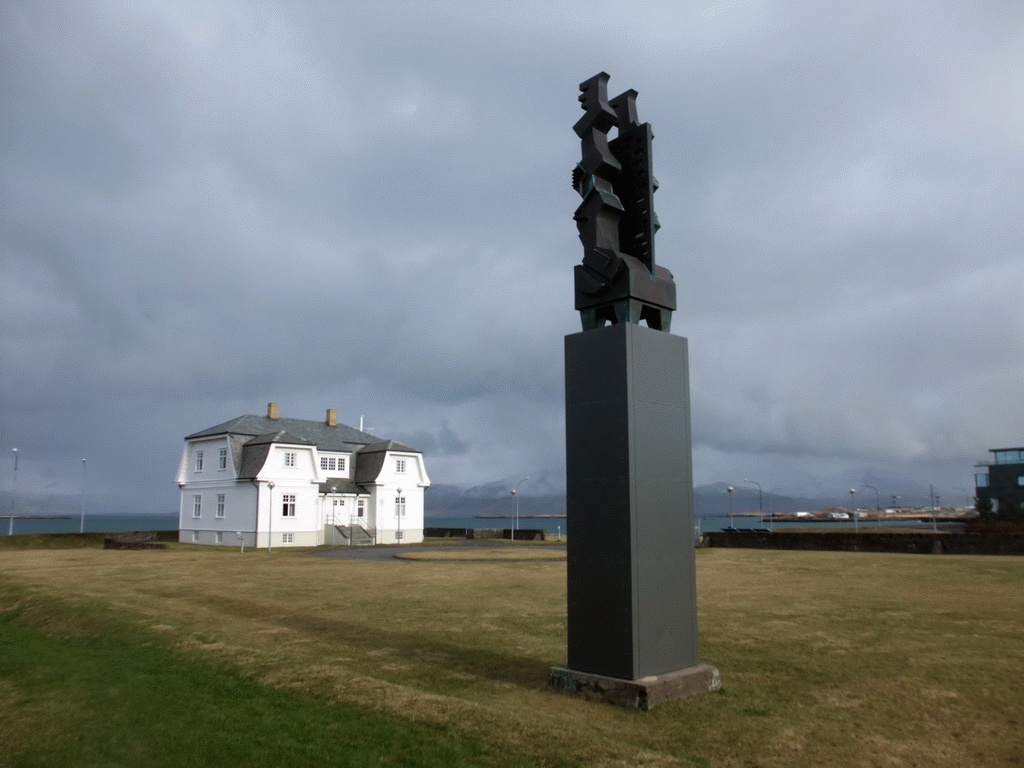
461 545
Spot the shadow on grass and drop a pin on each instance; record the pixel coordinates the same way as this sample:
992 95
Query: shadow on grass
111 703
463 660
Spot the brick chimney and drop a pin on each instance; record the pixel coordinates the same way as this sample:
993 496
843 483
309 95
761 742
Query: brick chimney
271 410
332 417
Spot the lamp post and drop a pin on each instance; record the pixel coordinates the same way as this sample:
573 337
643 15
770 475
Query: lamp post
515 495
14 494
270 519
856 520
399 509
760 496
729 489
334 519
878 504
81 522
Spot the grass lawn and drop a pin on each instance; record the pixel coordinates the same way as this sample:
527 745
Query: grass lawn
827 659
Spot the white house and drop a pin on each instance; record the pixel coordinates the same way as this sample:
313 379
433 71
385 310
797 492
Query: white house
265 481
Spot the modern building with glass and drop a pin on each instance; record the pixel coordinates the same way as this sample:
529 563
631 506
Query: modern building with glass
1003 483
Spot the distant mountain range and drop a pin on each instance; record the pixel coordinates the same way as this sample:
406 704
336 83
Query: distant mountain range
543 493
546 496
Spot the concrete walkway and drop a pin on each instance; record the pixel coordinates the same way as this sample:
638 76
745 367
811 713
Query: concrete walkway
394 552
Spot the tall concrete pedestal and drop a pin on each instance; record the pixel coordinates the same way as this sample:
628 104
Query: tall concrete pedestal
631 572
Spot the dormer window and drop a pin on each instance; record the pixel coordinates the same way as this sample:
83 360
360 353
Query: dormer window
289 459
222 459
332 463
400 466
199 461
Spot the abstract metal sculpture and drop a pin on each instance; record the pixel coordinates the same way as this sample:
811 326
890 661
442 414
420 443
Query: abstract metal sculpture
631 578
618 281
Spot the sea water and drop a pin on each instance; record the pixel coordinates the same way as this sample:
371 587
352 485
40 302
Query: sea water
555 525
93 524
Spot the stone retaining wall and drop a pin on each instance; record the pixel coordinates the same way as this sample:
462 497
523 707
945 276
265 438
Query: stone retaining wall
522 534
843 541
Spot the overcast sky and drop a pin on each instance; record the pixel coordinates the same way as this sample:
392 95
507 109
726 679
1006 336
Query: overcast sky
207 206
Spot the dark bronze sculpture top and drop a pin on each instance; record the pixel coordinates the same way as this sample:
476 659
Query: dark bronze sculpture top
618 281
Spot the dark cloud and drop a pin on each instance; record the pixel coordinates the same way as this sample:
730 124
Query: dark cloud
208 206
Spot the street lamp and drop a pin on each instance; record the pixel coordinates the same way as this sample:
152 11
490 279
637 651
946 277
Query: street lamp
856 520
399 509
81 523
14 494
878 504
729 490
760 496
270 519
515 495
334 519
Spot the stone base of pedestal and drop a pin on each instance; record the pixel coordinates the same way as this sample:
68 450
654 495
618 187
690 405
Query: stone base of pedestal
644 693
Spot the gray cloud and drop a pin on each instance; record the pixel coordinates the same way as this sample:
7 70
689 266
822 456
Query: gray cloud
209 206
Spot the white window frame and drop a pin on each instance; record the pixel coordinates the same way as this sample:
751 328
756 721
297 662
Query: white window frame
399 506
287 538
221 503
399 466
195 537
197 506
341 463
199 461
361 508
288 505
219 537
222 459
289 458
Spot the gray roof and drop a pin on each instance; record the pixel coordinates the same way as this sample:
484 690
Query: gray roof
319 433
387 445
256 449
278 437
253 459
343 485
371 459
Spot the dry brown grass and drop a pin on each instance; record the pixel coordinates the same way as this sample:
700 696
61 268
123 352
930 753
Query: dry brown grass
828 659
504 554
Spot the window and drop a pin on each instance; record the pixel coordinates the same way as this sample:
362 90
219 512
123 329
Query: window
220 537
400 466
287 538
1020 480
399 506
222 459
332 463
199 461
360 508
220 505
289 459
197 506
981 480
195 537
1009 457
288 505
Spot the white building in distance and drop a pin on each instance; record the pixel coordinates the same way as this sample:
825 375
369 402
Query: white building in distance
264 481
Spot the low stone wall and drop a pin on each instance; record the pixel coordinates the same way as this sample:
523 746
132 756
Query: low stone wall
522 534
924 543
134 540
